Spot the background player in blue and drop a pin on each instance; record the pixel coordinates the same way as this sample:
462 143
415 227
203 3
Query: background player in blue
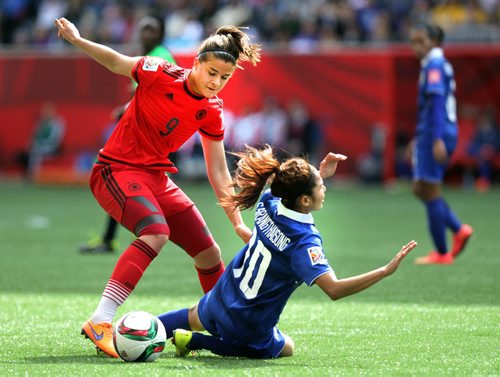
242 310
435 141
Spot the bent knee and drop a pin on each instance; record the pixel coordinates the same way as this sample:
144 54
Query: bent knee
208 258
156 241
426 191
417 190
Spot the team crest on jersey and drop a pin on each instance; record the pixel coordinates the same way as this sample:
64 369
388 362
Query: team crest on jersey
151 64
201 114
134 186
434 76
316 255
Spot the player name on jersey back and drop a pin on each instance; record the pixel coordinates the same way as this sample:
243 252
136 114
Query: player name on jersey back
269 229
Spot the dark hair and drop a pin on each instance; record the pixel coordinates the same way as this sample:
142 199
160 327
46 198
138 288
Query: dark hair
160 23
257 167
434 32
230 44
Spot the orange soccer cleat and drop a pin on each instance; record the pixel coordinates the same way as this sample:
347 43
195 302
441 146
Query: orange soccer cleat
435 258
460 239
101 334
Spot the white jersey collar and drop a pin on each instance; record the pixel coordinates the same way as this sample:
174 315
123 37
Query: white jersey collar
297 216
434 53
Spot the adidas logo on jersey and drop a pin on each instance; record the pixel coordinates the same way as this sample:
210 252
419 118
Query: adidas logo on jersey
170 96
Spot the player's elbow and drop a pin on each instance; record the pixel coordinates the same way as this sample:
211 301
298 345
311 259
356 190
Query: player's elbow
331 286
335 294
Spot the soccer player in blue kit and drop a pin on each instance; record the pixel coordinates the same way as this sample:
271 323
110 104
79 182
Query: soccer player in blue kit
435 141
242 310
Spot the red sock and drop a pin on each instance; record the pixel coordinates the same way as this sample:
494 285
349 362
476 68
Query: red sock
128 270
208 277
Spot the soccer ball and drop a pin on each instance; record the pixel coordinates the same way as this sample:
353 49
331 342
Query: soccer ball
139 336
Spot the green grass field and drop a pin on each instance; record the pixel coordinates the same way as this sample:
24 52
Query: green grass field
423 320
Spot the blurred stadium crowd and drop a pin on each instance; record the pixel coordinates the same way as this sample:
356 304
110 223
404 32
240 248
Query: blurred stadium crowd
298 25
295 26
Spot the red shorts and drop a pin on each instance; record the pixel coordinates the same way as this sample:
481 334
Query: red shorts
139 198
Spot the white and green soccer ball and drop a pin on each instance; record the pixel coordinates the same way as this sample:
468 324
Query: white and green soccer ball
139 336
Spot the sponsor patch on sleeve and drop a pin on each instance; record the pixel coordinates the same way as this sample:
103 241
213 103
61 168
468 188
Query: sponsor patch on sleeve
151 64
434 76
316 255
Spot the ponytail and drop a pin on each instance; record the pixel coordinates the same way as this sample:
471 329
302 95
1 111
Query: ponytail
257 167
230 44
252 173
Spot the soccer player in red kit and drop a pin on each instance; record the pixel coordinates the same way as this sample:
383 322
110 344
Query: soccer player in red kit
129 181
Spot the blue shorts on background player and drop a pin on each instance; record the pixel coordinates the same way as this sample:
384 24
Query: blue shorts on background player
435 141
241 312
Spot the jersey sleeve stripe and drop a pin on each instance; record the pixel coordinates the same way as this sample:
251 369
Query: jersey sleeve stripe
175 75
309 284
213 136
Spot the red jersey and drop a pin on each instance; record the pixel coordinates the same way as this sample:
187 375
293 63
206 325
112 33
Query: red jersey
162 116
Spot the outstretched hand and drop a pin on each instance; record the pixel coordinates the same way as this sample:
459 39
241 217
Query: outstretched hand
394 263
66 30
328 165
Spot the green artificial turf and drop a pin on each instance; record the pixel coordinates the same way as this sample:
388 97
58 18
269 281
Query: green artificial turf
423 320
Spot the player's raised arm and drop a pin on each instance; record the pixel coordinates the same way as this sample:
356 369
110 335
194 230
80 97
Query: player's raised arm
111 59
338 288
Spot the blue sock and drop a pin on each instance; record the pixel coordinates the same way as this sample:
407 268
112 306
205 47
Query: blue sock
221 347
450 218
175 319
436 218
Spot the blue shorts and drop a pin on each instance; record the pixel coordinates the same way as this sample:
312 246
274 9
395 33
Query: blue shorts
425 167
269 346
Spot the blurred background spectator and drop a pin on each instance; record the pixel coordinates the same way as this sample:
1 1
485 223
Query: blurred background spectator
274 125
303 26
312 103
402 156
371 164
303 132
485 148
46 141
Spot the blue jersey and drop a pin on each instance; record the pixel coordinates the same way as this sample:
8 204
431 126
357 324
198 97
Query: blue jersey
436 78
285 251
